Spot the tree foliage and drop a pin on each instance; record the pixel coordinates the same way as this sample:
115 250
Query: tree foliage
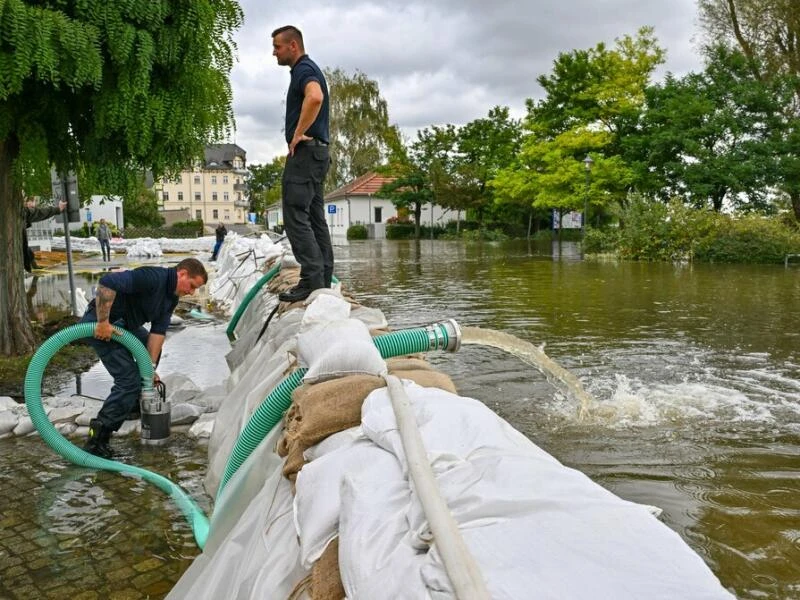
480 149
413 167
359 127
712 137
106 89
141 208
767 32
264 182
593 97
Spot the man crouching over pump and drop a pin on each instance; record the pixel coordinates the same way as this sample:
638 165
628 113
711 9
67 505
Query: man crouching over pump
129 299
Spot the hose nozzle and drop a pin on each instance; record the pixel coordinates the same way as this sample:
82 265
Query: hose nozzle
444 335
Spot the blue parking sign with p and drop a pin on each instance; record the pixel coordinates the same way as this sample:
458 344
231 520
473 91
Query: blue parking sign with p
331 209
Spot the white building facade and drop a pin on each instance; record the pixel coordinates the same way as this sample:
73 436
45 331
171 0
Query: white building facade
359 203
214 190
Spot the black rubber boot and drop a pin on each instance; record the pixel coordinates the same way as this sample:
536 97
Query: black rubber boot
99 437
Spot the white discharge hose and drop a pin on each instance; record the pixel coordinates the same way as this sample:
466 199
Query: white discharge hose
461 567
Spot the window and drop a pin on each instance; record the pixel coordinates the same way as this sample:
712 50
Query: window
180 196
165 196
378 214
225 196
227 214
214 179
238 196
197 196
198 214
214 196
237 181
197 178
215 214
179 179
224 179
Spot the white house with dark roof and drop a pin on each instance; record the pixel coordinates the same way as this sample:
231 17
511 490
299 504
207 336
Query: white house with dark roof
359 202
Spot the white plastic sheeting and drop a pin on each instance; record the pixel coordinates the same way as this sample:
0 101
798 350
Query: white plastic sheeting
536 528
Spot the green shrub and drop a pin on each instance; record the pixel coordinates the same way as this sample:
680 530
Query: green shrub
601 241
750 239
357 232
654 231
399 231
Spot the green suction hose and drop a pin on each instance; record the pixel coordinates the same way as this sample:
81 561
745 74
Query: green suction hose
251 293
33 400
439 336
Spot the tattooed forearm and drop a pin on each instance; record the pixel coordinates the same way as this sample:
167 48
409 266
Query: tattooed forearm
103 301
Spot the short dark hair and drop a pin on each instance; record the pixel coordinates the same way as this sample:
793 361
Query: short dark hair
193 267
292 32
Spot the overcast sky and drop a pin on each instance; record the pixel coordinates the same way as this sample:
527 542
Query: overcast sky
438 61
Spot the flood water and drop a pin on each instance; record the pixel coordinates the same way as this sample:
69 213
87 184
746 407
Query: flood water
693 371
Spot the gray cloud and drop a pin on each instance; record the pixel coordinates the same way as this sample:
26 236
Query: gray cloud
443 61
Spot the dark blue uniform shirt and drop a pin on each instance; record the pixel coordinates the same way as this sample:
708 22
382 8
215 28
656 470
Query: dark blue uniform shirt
303 71
145 294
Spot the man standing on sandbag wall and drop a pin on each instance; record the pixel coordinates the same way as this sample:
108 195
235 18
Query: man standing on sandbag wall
307 125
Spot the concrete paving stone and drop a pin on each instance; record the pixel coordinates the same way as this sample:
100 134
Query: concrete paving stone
120 574
15 571
23 546
101 553
148 565
7 561
127 594
37 564
26 592
146 579
86 595
158 590
9 522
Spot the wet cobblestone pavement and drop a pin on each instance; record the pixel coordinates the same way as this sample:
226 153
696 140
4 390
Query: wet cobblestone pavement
78 533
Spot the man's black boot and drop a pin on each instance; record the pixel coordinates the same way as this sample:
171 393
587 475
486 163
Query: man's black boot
99 437
296 294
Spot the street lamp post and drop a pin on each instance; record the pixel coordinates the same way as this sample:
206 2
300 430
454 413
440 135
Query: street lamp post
587 163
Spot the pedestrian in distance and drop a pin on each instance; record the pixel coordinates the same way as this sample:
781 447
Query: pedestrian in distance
31 214
129 299
103 235
307 162
220 232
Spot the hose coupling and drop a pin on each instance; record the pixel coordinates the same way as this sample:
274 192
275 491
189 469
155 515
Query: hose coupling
444 335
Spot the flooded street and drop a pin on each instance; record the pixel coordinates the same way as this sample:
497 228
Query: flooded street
694 372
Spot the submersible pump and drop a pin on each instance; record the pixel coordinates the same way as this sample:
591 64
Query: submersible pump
155 409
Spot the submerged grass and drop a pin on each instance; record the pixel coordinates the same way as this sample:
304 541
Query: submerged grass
72 359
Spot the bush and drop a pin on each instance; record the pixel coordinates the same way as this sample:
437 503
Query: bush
751 239
399 231
655 231
601 241
357 232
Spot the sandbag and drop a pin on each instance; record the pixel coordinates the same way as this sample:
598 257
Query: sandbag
428 379
338 349
326 583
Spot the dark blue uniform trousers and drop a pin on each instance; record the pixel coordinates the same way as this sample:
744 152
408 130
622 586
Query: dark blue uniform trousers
304 214
119 362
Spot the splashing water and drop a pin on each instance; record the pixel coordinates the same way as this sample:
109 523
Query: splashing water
561 378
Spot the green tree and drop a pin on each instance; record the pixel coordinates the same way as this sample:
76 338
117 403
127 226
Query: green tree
107 89
359 126
712 137
593 99
482 148
265 184
768 34
415 168
141 208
